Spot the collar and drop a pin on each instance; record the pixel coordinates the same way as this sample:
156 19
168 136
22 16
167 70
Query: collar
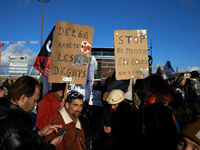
67 119
15 111
58 97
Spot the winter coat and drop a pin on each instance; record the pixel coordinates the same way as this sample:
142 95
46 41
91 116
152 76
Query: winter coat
47 110
192 90
124 131
65 120
160 128
15 129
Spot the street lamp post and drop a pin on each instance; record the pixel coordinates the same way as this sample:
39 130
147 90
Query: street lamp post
43 1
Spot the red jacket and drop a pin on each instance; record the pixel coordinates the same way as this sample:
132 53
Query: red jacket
47 110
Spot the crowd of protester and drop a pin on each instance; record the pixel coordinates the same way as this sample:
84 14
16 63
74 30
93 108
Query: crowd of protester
140 114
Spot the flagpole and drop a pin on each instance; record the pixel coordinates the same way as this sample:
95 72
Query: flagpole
41 41
30 71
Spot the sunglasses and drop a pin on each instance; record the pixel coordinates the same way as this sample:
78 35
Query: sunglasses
77 95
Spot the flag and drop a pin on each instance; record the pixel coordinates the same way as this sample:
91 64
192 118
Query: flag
168 68
42 61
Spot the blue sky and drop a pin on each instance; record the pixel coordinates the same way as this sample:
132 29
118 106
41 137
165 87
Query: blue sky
172 25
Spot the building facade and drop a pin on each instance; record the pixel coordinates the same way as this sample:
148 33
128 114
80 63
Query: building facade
106 62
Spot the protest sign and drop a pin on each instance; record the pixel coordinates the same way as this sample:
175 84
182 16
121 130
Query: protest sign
131 54
71 50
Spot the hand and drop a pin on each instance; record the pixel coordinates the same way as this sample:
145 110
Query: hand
107 129
57 140
49 129
61 105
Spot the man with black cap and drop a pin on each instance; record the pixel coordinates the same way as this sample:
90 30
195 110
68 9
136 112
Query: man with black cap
193 89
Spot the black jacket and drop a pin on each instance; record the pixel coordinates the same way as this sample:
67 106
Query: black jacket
160 128
15 129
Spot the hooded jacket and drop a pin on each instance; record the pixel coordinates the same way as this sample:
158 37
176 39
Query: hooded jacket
16 131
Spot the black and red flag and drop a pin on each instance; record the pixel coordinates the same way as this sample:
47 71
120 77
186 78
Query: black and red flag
42 61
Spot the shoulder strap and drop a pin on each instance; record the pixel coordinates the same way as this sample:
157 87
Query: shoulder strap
74 141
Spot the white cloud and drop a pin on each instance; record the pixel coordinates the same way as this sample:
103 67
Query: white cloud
188 69
17 49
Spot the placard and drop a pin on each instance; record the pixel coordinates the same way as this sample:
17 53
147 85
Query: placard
131 54
71 50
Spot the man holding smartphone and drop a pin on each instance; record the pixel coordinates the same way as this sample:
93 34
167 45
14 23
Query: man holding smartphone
15 119
74 138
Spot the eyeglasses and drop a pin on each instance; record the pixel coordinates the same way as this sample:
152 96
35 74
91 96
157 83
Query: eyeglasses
77 95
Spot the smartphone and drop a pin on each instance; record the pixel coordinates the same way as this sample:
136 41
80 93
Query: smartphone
60 134
63 132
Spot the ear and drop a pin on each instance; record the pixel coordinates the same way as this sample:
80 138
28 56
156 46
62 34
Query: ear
22 98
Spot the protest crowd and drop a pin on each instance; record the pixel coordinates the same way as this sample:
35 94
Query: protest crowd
157 112
133 109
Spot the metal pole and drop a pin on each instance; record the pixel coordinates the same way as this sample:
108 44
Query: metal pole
43 1
42 24
0 57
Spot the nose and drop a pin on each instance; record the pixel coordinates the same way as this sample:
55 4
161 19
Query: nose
113 107
187 148
80 108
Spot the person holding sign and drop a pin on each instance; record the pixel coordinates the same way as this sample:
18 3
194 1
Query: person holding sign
74 138
50 105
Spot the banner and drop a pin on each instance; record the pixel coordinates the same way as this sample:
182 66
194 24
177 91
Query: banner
43 59
131 54
71 50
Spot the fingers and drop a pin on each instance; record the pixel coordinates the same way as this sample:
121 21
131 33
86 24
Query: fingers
62 102
57 140
61 105
56 127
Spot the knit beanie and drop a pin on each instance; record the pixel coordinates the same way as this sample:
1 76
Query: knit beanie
115 96
192 131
